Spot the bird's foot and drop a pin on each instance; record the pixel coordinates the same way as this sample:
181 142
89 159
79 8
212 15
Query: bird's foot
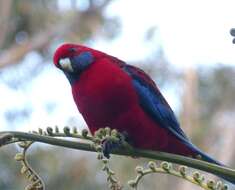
109 145
111 140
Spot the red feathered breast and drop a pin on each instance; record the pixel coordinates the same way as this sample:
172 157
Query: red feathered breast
102 93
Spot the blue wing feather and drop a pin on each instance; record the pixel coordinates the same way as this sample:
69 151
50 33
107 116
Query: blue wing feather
154 103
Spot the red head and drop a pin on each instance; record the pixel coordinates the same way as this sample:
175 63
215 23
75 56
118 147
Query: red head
72 59
67 51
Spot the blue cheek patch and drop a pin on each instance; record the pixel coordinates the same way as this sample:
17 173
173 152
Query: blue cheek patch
82 61
79 63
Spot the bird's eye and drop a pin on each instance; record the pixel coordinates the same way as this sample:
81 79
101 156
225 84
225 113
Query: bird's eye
72 50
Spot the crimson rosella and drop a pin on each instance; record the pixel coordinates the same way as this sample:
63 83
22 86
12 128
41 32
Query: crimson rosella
109 92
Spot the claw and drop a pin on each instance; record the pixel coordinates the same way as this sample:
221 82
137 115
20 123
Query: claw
109 145
112 140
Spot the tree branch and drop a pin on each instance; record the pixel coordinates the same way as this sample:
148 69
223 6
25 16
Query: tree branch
194 163
38 41
5 13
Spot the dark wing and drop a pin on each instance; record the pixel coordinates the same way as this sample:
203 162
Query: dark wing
153 102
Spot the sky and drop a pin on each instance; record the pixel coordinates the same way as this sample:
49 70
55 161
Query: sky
190 33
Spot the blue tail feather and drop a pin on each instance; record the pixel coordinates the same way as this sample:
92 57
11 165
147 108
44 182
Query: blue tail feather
207 158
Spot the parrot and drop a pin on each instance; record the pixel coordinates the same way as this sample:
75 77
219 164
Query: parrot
109 92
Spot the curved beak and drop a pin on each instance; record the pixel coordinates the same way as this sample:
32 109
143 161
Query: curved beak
66 64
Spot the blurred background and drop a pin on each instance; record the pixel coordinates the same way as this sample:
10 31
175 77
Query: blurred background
184 45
